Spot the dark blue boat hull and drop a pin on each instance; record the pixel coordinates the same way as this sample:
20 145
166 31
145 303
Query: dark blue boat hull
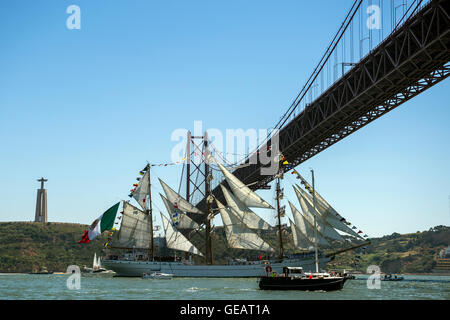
288 283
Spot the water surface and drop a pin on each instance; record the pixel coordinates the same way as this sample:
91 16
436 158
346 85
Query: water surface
54 286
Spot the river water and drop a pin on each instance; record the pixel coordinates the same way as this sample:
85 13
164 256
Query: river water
107 287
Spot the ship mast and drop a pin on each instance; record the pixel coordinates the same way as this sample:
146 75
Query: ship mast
315 223
150 212
208 241
199 151
280 235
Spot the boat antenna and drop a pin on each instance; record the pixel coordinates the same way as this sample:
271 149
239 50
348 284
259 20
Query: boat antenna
315 223
208 197
279 216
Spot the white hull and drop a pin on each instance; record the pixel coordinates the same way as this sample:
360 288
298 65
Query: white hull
179 269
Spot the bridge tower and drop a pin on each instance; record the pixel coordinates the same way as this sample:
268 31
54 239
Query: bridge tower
198 179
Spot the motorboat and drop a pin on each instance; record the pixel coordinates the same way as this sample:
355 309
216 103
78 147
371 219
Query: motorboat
157 275
293 278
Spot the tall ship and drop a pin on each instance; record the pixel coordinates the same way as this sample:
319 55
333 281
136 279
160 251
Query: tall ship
317 223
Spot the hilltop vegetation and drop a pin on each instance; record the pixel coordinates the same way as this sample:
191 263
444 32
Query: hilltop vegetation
396 253
26 247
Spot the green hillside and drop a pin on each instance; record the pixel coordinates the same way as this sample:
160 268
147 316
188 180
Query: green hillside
28 246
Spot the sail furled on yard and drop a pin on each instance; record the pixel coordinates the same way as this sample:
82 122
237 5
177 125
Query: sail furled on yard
238 235
175 240
178 201
310 214
135 231
179 219
307 229
329 214
142 190
242 192
248 217
300 241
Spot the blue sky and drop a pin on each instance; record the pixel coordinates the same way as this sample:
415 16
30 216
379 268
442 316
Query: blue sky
87 108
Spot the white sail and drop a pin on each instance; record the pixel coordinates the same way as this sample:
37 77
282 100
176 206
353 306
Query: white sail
95 262
99 263
142 190
329 214
177 200
248 217
179 218
135 231
242 192
306 228
322 225
238 235
300 241
175 240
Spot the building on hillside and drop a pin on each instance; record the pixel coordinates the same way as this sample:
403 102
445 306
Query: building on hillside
443 262
444 253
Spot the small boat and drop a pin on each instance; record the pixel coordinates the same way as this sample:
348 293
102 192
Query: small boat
157 275
42 272
390 277
293 278
241 226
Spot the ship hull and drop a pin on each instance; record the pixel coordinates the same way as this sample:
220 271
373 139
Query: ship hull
127 268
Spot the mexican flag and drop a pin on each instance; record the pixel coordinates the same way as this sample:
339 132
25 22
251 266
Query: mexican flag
102 223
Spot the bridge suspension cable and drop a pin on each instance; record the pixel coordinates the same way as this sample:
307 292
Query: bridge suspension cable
322 76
